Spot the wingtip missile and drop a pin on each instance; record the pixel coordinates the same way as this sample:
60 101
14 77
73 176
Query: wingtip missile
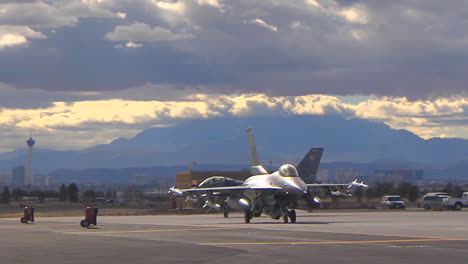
175 191
188 198
357 184
212 205
338 193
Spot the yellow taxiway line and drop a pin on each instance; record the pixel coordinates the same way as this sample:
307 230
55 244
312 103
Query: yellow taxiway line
331 242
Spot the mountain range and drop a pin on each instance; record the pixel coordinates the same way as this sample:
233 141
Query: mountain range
223 141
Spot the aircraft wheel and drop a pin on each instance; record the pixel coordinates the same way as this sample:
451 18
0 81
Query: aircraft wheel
84 223
247 216
292 216
226 212
24 220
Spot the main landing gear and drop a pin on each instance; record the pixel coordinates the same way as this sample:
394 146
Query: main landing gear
247 216
290 215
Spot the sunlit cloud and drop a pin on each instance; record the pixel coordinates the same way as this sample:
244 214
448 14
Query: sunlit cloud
437 118
355 14
313 3
111 68
212 3
17 35
263 24
129 45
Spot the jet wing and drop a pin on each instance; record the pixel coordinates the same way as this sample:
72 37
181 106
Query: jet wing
333 192
227 189
354 183
327 184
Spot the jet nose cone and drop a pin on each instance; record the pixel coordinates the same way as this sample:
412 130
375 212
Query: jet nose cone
298 187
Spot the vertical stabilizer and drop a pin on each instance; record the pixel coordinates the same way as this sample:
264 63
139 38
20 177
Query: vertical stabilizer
254 161
309 165
256 168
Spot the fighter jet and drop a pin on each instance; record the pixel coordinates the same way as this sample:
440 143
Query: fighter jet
277 194
307 170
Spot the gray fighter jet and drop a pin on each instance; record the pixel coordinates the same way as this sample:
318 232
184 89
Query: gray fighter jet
277 194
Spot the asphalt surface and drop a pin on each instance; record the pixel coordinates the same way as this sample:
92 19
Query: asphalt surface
321 237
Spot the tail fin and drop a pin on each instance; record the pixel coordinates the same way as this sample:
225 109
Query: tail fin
254 161
255 168
309 165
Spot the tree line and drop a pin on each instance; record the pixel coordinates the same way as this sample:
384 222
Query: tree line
65 193
406 190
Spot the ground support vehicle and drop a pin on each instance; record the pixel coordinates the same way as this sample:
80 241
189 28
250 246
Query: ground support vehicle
28 215
90 216
392 202
457 203
434 202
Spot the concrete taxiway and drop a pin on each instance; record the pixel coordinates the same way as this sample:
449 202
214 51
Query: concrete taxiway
325 236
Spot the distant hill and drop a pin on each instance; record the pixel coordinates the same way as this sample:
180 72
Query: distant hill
279 139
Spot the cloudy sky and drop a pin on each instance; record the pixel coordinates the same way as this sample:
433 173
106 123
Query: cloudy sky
84 72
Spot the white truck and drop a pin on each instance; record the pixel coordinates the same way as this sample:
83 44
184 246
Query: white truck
456 203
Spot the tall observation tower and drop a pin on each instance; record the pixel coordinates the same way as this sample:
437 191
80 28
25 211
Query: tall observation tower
30 142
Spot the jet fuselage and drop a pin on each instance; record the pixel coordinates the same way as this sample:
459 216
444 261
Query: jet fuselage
288 191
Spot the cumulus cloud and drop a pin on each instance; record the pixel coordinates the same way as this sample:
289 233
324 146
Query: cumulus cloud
412 49
213 3
54 13
143 32
34 13
299 26
174 12
354 14
17 35
262 23
105 117
129 45
313 3
437 118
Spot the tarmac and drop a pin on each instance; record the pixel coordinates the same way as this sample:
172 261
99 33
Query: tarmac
412 236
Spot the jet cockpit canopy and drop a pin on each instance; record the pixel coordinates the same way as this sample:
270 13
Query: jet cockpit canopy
288 170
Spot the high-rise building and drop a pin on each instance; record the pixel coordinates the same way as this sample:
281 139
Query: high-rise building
29 177
398 175
18 175
322 175
40 180
140 179
344 175
5 179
